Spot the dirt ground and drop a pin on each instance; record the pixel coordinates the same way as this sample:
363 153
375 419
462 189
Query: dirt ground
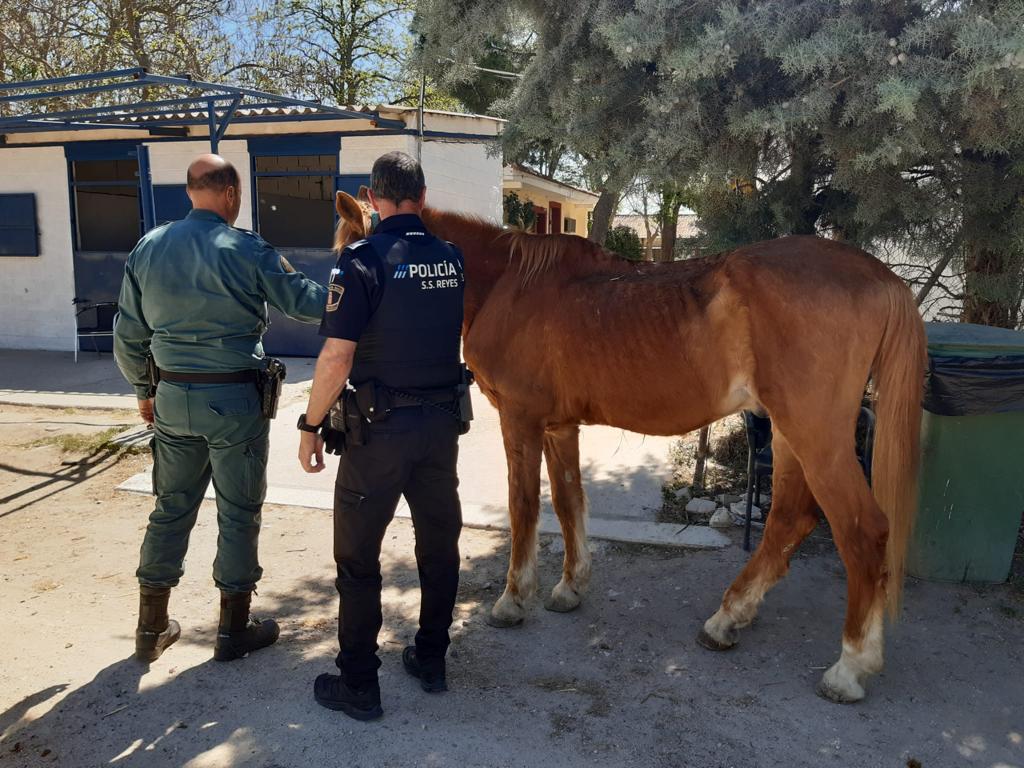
620 682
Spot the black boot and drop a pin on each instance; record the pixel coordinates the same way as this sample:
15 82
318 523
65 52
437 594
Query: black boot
155 632
359 703
237 634
430 672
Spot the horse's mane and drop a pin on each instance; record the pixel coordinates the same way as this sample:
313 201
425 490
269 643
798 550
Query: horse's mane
537 254
532 254
473 229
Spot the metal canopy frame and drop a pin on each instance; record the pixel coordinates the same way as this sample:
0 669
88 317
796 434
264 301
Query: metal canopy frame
171 116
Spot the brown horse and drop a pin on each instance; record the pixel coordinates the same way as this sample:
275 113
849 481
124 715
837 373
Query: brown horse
561 333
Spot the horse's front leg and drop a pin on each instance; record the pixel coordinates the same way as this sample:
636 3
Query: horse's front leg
562 454
522 437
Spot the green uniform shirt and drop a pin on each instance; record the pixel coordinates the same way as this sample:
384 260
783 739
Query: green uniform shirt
195 293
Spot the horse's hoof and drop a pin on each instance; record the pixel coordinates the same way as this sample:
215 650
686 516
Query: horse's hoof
834 695
707 641
503 622
506 612
831 687
563 599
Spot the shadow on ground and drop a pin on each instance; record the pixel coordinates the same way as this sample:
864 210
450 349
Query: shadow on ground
619 682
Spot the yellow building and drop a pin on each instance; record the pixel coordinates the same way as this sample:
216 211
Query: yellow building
558 207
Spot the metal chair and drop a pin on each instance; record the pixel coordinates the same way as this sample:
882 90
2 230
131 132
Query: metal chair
102 322
759 456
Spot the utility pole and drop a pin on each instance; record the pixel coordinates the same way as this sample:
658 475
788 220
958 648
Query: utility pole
419 119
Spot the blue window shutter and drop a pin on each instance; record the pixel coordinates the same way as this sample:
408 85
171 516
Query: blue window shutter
171 202
102 150
315 144
19 232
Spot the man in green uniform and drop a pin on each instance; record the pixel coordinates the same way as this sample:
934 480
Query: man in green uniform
195 297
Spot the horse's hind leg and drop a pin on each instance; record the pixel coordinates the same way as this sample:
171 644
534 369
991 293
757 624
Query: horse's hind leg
562 453
522 452
793 516
861 531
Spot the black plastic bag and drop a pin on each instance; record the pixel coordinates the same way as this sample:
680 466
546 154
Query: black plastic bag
973 386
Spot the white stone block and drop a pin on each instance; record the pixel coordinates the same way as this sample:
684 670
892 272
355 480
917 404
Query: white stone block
701 506
739 511
721 519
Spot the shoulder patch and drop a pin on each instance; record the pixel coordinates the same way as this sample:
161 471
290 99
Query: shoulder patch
334 294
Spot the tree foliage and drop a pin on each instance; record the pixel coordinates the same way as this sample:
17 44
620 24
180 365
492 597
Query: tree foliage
50 38
518 213
572 95
338 51
344 52
897 125
625 242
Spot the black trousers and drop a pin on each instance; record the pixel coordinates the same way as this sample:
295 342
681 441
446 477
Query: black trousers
413 453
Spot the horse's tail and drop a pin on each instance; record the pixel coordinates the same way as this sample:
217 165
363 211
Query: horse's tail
898 374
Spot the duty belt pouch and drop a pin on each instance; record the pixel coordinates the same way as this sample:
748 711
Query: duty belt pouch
333 431
152 373
269 382
465 403
374 401
352 422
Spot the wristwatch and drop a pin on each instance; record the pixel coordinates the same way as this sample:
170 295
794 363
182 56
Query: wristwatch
306 427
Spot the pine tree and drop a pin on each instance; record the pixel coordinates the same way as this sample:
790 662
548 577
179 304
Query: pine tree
897 124
572 93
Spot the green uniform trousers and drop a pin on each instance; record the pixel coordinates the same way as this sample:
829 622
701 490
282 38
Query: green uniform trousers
204 431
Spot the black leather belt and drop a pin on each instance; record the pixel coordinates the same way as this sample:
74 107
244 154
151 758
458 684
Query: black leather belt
232 377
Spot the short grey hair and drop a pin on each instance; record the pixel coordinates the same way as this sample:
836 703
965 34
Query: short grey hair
217 180
397 176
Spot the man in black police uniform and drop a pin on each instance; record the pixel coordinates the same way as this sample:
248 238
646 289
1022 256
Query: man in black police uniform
393 322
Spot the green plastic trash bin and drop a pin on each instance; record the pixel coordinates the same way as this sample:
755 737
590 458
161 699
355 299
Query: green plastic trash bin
972 455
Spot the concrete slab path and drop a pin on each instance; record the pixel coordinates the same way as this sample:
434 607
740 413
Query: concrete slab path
623 472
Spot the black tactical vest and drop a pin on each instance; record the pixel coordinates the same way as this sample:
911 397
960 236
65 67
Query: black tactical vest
412 341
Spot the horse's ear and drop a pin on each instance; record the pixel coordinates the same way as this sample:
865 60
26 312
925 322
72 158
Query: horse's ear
347 207
364 193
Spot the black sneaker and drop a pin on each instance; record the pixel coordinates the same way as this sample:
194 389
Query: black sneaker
331 691
431 675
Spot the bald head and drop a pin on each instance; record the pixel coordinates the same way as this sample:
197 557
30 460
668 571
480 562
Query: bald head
214 185
211 172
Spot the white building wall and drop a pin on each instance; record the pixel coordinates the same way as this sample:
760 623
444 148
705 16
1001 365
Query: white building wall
36 292
169 161
462 176
358 153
